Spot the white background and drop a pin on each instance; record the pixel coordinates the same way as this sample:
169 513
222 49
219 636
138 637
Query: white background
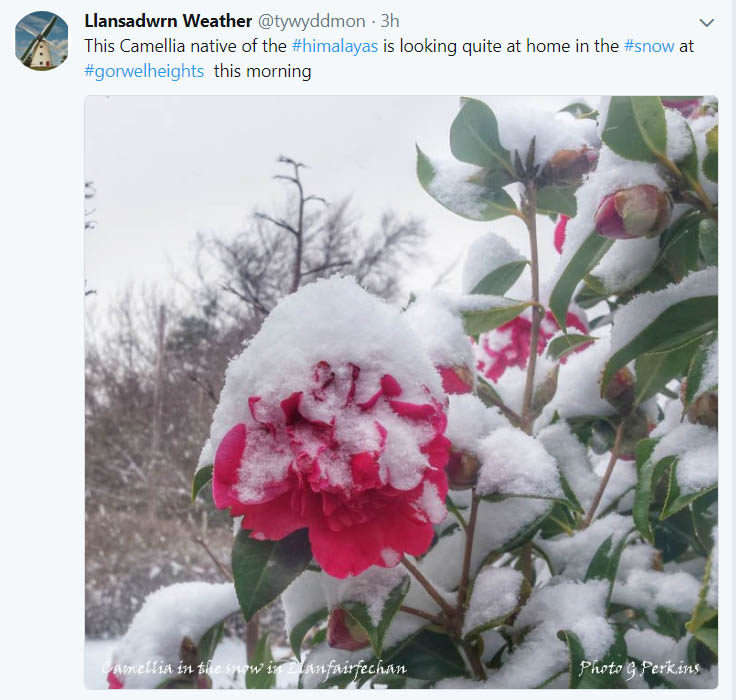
42 273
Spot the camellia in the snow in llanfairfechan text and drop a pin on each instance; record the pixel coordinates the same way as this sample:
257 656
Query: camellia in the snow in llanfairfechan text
520 476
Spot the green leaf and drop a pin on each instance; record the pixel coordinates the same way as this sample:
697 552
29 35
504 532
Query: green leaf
257 677
678 325
581 675
708 231
497 282
703 623
580 110
676 500
430 656
557 200
648 474
209 641
262 569
562 346
359 612
604 564
689 163
300 629
710 162
585 258
471 200
696 370
480 321
679 251
202 477
636 129
654 370
474 137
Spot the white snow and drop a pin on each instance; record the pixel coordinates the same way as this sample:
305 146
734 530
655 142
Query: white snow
571 555
632 318
578 383
626 263
331 321
649 590
303 597
578 607
496 524
673 410
709 379
495 595
679 139
371 588
711 596
486 254
439 327
457 186
636 556
700 127
167 616
513 462
572 459
469 420
696 447
552 132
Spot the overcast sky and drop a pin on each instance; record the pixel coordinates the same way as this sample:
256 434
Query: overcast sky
165 168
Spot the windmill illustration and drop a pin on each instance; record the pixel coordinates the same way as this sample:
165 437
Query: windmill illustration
38 51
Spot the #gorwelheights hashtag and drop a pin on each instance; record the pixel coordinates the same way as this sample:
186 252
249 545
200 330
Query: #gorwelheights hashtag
89 69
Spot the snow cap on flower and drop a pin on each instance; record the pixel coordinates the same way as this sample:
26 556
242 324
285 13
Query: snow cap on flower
332 419
156 633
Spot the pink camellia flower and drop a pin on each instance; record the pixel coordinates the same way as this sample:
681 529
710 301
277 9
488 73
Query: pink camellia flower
344 633
636 212
331 485
332 420
684 105
113 682
508 345
560 232
457 379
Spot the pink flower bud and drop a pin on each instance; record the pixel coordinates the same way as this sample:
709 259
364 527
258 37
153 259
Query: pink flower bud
685 106
560 232
636 212
457 379
344 633
462 470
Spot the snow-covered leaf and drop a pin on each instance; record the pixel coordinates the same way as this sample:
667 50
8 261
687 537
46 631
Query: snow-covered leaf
702 375
474 137
703 623
430 656
677 500
635 128
664 320
492 314
563 345
453 185
708 234
495 596
710 162
375 626
202 477
654 370
499 281
557 200
585 258
581 675
262 569
604 564
648 474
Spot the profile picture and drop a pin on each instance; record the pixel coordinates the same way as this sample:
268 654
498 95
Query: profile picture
41 40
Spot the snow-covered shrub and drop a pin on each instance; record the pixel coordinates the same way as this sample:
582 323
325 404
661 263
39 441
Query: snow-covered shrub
577 426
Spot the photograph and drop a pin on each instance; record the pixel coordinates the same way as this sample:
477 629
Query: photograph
398 392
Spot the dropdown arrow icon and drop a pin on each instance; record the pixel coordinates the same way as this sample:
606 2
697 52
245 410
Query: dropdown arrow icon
708 23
